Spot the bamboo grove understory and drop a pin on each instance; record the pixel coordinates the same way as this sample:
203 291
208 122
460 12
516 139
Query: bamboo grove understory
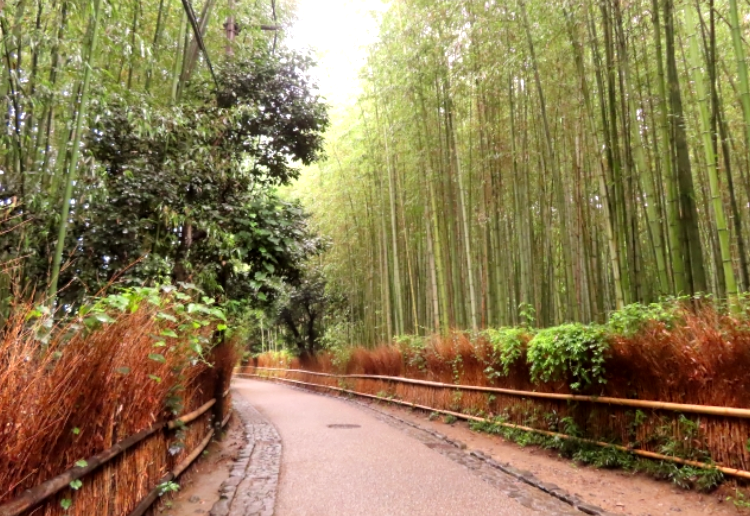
511 159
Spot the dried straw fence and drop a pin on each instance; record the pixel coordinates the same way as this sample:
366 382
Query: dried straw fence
716 435
126 478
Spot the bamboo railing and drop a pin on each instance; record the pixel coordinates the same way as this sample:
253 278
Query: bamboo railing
409 392
625 402
44 494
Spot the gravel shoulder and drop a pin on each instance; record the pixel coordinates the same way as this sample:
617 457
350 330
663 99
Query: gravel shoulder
199 486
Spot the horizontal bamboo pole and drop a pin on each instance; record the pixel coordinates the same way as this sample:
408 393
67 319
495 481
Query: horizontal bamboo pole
226 419
643 453
191 416
658 405
38 494
185 464
150 498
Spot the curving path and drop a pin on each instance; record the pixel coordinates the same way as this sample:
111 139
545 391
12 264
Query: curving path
378 468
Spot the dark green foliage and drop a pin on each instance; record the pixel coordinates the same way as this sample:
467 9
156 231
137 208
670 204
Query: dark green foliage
686 477
571 351
689 445
187 193
301 311
277 113
508 346
602 457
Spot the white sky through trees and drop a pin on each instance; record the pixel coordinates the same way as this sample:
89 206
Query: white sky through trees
338 32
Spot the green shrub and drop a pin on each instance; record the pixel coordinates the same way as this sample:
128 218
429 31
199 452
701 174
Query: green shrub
508 345
631 319
686 477
340 356
570 350
412 349
578 449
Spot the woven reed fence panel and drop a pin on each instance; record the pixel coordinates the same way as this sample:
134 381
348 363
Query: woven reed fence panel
119 485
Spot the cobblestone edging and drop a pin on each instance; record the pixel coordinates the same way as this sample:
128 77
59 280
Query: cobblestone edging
251 487
520 485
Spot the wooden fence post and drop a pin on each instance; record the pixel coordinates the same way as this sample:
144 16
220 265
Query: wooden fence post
218 408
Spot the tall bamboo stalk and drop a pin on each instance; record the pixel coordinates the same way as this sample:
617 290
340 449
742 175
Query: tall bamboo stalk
708 148
73 165
741 62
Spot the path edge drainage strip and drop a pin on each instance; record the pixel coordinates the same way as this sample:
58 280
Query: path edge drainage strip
523 476
252 484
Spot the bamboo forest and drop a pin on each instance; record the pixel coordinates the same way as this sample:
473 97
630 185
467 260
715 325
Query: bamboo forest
500 162
493 223
546 160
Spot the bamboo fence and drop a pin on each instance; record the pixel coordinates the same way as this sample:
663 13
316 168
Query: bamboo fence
127 479
704 436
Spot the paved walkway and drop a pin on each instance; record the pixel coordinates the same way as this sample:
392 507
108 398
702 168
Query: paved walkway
369 466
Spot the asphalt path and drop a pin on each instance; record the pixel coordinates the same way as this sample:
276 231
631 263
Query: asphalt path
369 469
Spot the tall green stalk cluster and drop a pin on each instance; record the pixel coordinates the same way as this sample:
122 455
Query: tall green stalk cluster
60 60
559 159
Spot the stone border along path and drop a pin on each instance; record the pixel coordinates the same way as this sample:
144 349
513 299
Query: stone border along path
251 487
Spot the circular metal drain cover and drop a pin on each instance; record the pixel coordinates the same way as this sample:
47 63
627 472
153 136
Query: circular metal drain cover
343 426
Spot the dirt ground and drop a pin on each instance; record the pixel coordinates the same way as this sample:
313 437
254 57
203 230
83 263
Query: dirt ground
616 491
199 487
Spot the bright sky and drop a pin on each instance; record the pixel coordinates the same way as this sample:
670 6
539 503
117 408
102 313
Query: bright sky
338 31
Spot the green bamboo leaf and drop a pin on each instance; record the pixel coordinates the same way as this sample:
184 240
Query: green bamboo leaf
157 358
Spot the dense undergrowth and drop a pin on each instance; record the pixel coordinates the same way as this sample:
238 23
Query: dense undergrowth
683 350
126 361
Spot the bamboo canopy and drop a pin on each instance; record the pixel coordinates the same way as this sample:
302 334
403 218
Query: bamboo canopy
537 162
